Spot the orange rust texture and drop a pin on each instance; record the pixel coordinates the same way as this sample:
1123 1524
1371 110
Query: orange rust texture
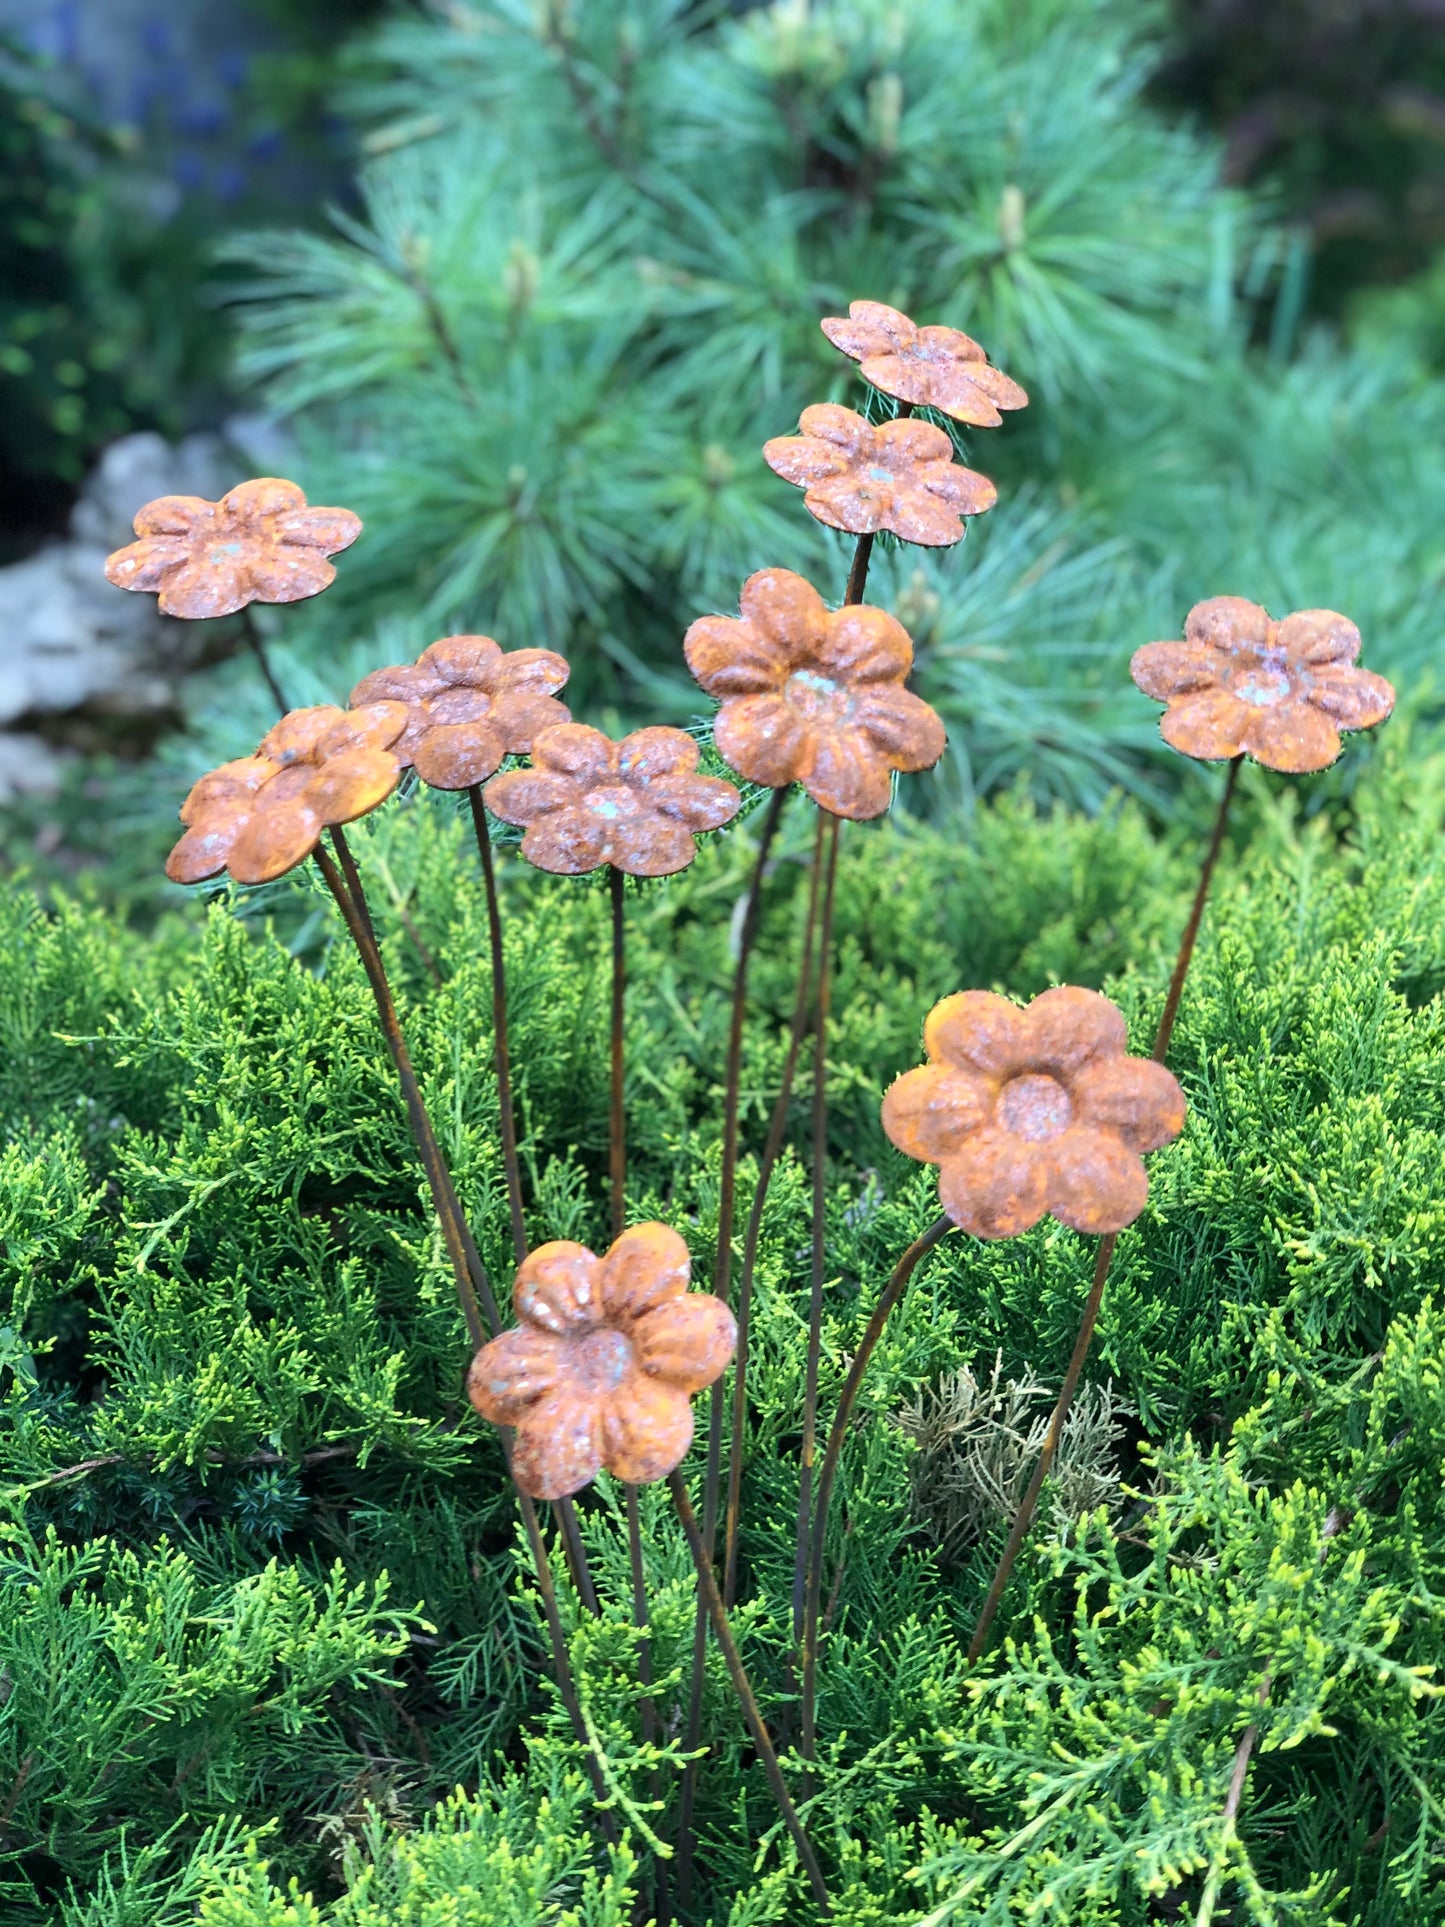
259 543
1034 1110
899 476
601 1370
469 704
636 804
938 368
262 815
1242 684
812 695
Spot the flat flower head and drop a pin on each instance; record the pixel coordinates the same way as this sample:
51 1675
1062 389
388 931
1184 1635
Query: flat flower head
931 367
814 695
469 704
1034 1110
1241 684
259 543
637 804
601 1370
899 476
262 815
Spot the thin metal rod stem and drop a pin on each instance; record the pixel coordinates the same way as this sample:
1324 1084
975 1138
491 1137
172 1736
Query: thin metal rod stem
443 1196
819 1253
858 574
617 1113
255 640
1191 929
561 1660
352 905
1233 1797
848 1398
742 1686
501 1049
1025 1513
722 1284
648 1705
1023 1518
476 1270
772 1149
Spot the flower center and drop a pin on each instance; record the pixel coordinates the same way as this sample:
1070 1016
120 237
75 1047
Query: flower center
816 695
600 1361
1035 1106
220 552
1264 680
611 801
880 475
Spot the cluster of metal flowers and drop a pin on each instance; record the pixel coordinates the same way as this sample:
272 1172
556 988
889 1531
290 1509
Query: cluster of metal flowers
1026 1111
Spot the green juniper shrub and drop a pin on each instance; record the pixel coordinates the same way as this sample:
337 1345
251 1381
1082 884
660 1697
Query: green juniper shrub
271 1646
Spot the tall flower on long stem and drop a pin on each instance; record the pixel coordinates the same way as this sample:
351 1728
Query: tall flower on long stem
261 542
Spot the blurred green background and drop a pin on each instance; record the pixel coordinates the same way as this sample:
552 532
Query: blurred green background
528 288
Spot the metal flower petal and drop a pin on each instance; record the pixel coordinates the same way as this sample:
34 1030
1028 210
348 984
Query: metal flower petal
259 543
899 476
1241 684
931 367
634 804
1034 1110
262 815
601 1368
819 697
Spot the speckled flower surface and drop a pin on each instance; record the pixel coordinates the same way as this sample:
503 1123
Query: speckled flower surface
470 703
1243 684
262 815
1034 1110
636 804
940 368
601 1370
899 476
814 695
260 543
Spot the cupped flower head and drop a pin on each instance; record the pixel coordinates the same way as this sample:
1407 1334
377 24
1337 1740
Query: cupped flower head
603 1366
259 543
1034 1110
637 804
814 695
262 815
1242 684
469 703
899 476
938 368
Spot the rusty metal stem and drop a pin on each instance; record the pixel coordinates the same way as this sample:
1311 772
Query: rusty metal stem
358 922
819 1251
742 1686
257 645
1023 1518
722 1275
772 1149
893 1292
1025 1513
561 1660
644 1663
1191 929
501 1049
617 1114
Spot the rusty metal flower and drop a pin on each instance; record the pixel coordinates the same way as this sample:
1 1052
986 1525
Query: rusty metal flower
262 815
259 543
1241 684
469 704
814 695
603 1366
1034 1110
899 476
636 804
938 368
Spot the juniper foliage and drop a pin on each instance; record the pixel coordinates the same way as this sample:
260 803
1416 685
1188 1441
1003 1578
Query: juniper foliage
270 1646
583 285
